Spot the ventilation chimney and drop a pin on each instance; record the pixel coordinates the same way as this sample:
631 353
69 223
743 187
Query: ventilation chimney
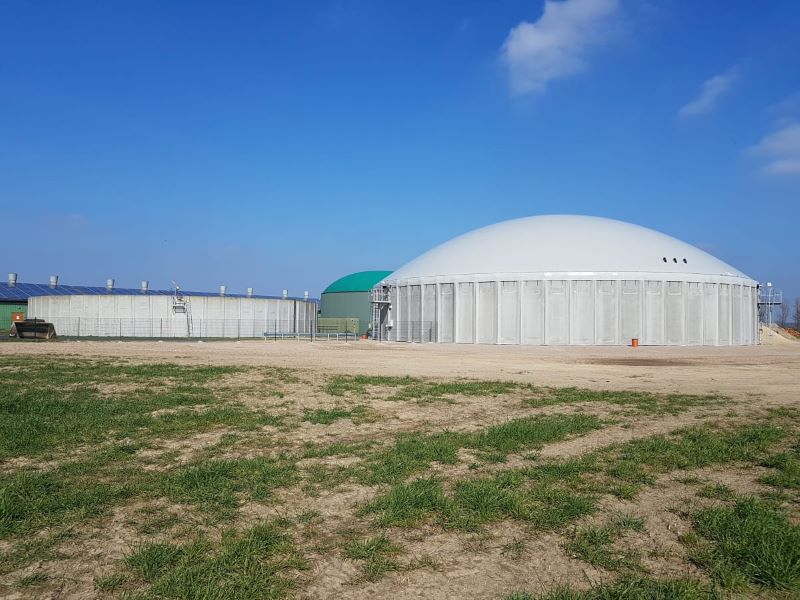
222 289
145 286
12 279
109 284
305 295
249 292
53 281
285 294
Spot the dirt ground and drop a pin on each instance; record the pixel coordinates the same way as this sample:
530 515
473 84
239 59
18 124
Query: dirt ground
469 566
769 371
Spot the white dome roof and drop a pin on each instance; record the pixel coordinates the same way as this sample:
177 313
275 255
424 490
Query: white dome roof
572 244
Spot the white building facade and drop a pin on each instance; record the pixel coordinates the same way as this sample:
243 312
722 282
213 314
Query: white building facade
570 280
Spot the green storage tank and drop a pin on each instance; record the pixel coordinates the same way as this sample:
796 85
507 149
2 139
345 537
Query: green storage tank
9 308
348 298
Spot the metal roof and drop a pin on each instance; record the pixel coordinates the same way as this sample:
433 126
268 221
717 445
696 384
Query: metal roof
23 291
558 244
363 281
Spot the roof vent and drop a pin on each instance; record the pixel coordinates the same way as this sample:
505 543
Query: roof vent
12 279
109 284
222 290
305 295
53 281
285 294
145 286
249 292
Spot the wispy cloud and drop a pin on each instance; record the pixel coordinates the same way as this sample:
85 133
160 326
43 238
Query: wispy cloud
710 92
781 149
555 46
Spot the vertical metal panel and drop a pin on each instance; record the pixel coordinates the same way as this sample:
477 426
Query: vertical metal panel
694 314
487 316
710 314
674 313
557 312
533 312
736 314
653 313
466 308
394 313
606 325
630 311
747 315
414 313
582 312
447 313
429 312
724 314
509 312
402 315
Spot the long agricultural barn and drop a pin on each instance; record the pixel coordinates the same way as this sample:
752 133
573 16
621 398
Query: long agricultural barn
117 312
561 280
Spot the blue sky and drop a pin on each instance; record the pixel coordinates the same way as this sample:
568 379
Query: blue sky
284 144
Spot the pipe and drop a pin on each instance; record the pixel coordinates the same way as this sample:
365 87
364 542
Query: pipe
222 290
285 294
53 281
12 279
109 284
145 286
249 292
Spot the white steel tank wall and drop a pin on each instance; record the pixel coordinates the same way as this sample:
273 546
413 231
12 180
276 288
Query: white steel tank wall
578 311
153 316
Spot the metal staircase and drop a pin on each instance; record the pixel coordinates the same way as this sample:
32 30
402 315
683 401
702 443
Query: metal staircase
181 305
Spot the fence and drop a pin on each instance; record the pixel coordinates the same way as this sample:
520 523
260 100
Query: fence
415 331
171 328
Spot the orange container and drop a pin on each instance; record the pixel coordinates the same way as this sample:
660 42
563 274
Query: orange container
635 342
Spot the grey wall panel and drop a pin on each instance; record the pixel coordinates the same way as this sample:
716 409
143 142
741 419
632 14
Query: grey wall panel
402 317
582 312
710 314
487 312
466 313
557 312
653 313
694 314
394 313
736 314
747 314
446 321
414 313
606 313
630 311
674 313
429 312
509 312
724 314
533 312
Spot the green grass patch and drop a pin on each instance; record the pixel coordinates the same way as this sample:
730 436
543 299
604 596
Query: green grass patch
638 588
322 416
376 555
639 401
750 542
259 563
595 544
716 491
414 452
787 469
215 485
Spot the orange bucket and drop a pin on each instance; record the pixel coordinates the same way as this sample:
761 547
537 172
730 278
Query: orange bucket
635 342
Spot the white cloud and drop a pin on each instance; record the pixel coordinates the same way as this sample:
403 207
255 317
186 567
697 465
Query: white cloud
555 46
710 92
781 149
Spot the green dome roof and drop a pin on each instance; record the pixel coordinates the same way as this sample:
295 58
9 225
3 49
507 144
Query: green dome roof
363 281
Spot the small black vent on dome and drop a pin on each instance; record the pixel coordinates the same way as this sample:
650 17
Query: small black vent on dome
674 260
665 259
684 261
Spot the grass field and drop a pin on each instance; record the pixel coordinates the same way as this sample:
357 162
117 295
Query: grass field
127 479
